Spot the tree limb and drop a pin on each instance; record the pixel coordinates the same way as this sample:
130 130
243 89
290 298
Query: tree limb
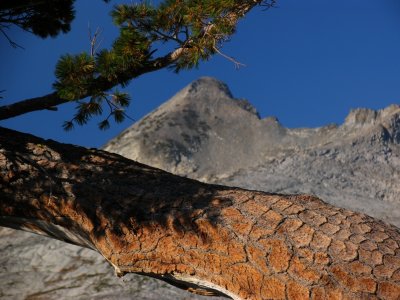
10 41
204 238
51 100
33 104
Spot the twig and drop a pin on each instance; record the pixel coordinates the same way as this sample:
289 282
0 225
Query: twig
10 41
94 44
230 58
114 107
268 4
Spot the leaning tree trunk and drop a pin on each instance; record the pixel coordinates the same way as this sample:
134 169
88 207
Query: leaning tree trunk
208 239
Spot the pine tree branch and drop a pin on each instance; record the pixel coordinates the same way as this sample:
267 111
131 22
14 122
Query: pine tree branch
33 104
51 100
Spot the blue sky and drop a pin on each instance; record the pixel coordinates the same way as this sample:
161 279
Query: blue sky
307 62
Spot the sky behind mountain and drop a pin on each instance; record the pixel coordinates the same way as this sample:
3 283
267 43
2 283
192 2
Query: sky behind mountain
307 62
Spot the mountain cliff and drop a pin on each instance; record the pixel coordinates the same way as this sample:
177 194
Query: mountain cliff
205 133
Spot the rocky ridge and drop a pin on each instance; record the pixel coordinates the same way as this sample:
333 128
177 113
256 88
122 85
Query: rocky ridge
205 133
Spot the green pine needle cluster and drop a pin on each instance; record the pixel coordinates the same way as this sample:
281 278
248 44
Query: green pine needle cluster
75 74
116 103
196 28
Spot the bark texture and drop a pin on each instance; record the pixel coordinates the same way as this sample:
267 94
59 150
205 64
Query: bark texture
207 239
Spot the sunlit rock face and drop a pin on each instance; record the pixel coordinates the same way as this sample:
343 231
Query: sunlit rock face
205 133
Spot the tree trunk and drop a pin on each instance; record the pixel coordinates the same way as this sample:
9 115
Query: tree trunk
208 239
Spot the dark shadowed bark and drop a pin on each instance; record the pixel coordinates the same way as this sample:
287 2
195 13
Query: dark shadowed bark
207 239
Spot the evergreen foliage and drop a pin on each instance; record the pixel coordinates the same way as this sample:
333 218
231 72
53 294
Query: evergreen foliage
44 18
194 29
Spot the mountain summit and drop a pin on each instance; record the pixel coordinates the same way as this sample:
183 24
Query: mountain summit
203 132
196 131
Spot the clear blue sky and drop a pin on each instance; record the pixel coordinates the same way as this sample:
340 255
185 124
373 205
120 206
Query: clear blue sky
308 62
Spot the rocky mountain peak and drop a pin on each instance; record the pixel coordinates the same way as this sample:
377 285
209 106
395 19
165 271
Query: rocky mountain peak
378 125
246 105
205 95
365 116
208 93
208 87
361 116
203 131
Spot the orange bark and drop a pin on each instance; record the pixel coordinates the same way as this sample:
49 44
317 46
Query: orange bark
207 239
